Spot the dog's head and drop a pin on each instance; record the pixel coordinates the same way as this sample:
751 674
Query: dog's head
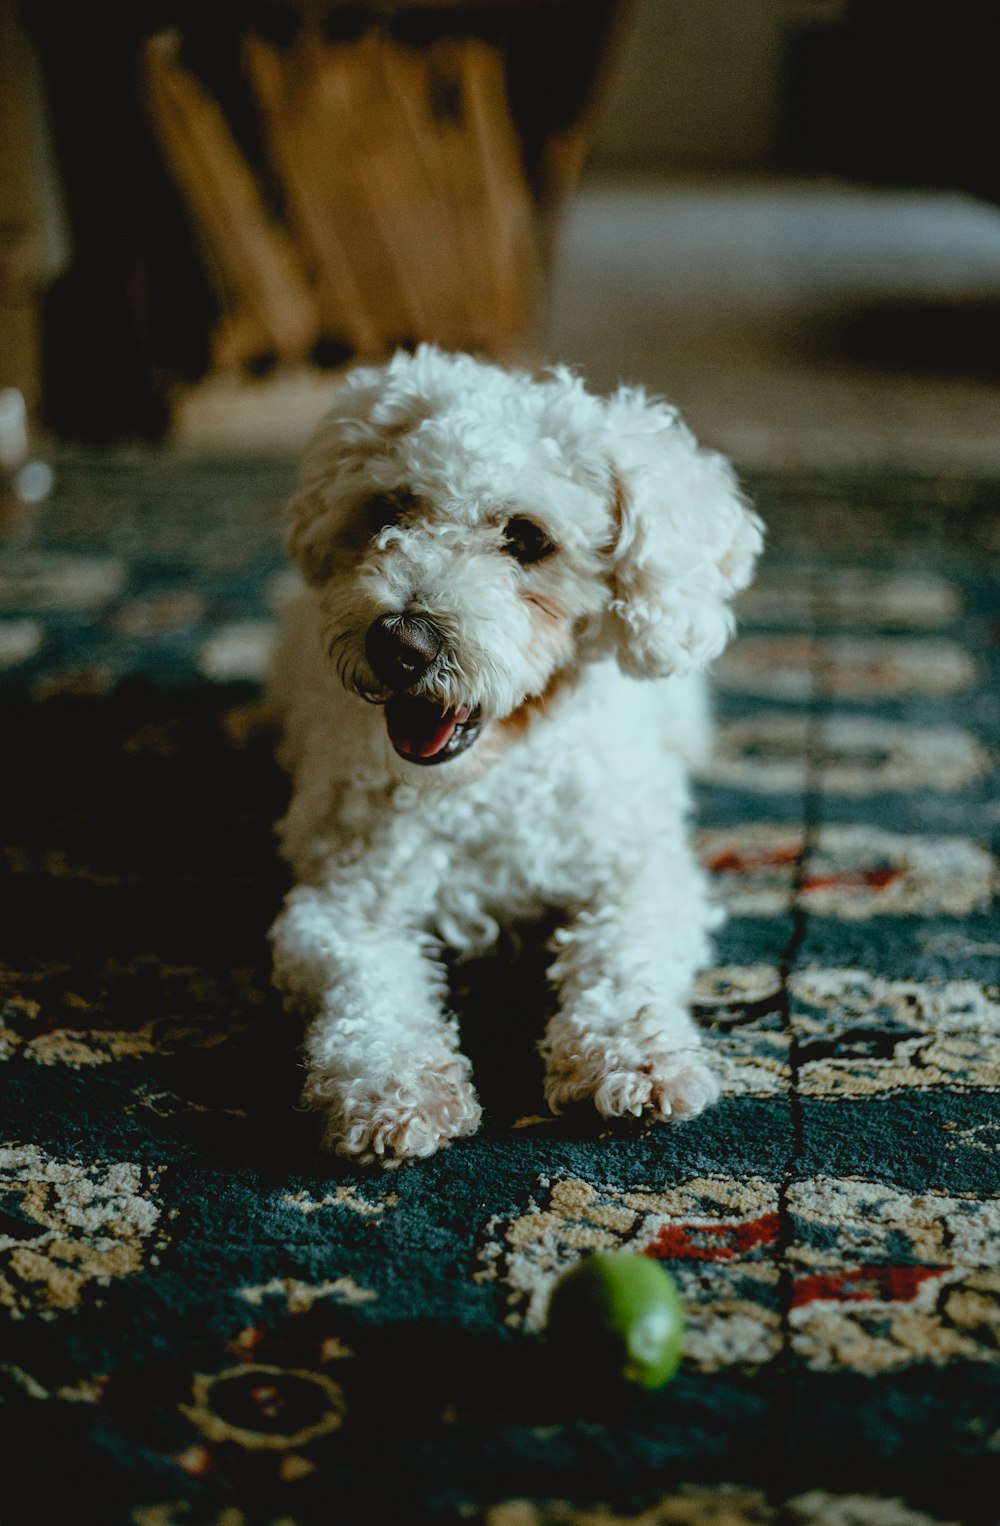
478 535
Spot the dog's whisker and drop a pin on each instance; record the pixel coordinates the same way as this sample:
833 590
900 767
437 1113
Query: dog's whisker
336 640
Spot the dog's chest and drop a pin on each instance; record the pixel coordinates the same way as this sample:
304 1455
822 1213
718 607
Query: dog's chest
515 845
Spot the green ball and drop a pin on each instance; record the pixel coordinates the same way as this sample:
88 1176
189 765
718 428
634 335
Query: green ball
617 1315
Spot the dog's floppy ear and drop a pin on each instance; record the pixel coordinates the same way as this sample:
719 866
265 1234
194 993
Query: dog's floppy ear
686 541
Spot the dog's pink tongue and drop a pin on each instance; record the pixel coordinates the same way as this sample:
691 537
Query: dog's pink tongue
419 728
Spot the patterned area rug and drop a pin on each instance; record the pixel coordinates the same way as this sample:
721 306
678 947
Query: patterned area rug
207 1321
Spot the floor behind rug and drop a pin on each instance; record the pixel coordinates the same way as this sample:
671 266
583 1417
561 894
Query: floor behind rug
207 1321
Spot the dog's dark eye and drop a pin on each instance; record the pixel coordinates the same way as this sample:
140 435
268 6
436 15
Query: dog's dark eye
526 541
383 509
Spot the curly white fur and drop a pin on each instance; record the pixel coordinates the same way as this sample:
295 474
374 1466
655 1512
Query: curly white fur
574 792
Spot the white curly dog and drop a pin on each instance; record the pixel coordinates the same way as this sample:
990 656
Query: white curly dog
490 691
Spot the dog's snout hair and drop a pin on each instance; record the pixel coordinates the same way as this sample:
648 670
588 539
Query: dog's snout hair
403 648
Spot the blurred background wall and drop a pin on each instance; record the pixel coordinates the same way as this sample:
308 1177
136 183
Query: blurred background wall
696 84
880 89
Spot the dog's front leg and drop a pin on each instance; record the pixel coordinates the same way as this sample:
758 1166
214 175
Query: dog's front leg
383 1057
623 1035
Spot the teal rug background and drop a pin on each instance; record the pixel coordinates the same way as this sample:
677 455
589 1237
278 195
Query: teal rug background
202 1313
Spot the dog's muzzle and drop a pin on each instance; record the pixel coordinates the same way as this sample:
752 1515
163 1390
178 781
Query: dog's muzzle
402 650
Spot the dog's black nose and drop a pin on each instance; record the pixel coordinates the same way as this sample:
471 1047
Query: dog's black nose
401 648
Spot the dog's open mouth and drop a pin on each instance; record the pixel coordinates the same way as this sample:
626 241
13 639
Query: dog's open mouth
422 732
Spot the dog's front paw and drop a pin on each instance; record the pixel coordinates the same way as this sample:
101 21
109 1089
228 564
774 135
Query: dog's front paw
675 1085
402 1119
630 1078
